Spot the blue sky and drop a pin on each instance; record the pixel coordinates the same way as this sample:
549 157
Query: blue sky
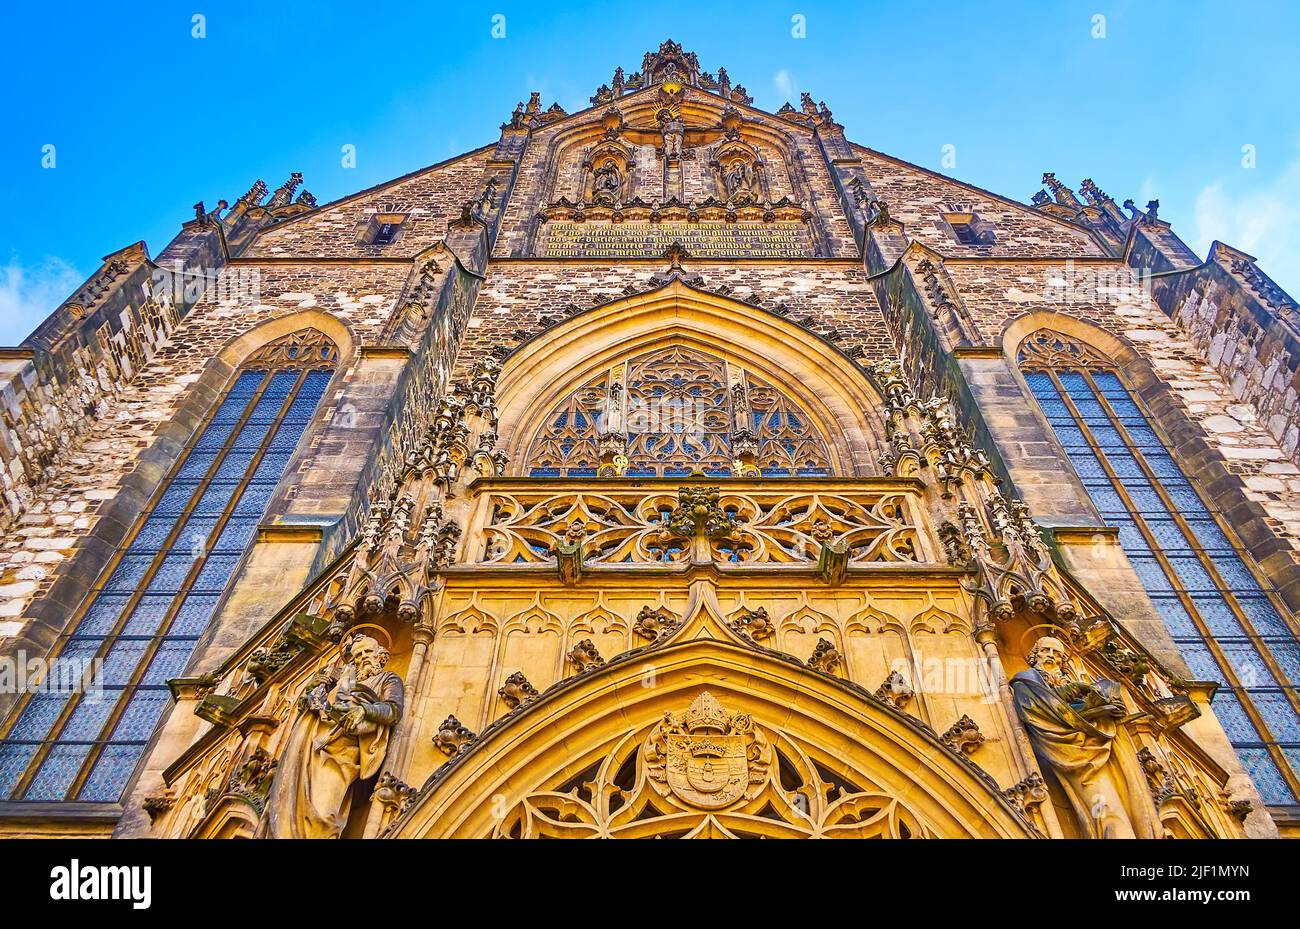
146 119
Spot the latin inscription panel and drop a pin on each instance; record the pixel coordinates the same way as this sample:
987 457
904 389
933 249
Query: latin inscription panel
651 240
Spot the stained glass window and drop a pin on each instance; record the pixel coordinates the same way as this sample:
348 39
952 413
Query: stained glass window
678 411
155 597
1228 622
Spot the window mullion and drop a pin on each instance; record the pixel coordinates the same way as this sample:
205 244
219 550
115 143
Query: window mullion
1222 588
111 636
142 667
1265 734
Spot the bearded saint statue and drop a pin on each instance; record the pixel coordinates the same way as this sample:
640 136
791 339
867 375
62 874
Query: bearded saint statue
1072 726
340 737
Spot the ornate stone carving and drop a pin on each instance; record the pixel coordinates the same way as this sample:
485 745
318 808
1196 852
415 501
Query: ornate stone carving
517 691
453 737
895 691
394 793
340 736
825 657
1072 724
707 757
963 736
707 772
652 623
755 624
586 656
1028 794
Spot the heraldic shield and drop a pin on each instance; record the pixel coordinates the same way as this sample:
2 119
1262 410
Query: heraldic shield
708 757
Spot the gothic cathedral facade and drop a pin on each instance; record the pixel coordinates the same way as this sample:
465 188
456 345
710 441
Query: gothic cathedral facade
670 468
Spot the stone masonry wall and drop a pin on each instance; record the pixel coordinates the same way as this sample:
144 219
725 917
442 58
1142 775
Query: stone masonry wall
65 510
998 292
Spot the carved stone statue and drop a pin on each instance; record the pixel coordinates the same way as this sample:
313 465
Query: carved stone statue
739 181
340 737
674 131
607 186
1072 725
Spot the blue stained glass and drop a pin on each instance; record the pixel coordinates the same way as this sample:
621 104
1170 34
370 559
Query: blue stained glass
89 717
194 537
171 573
57 772
234 466
1168 535
1286 652
37 718
1145 499
253 501
1230 714
152 534
1279 715
1218 615
1041 384
1201 662
236 535
1209 536
192 618
1192 574
1107 437
122 659
112 770
196 466
1075 384
1071 437
128 573
103 614
169 661
214 437
272 466
1247 664
1152 574
1144 437
1263 771
1162 465
1125 465
1177 619
1130 537
286 440
1186 500
14 759
251 436
1263 616
141 715
1235 574
215 498
1086 464
1054 407
147 616
1106 500
216 573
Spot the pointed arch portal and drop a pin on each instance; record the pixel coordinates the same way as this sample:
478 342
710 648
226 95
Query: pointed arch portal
708 735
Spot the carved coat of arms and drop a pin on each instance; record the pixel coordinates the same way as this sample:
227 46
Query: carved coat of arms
707 757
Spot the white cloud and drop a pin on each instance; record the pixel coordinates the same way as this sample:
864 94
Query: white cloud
29 294
1263 221
786 86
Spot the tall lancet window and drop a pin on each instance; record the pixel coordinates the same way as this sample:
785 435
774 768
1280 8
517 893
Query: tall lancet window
1228 621
161 587
678 411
